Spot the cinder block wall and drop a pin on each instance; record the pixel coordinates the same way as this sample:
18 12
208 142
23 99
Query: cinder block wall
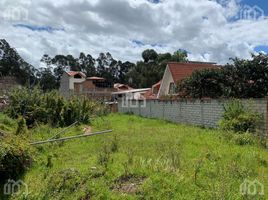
205 113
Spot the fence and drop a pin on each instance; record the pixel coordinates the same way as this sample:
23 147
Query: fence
205 113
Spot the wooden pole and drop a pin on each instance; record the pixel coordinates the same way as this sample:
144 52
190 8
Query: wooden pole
64 130
70 137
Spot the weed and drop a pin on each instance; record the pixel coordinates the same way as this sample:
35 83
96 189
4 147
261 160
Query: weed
114 144
104 155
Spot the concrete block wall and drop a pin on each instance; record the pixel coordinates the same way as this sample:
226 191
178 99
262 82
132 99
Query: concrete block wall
205 113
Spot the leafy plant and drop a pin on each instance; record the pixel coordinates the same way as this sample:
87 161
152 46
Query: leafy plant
22 127
238 118
15 156
50 107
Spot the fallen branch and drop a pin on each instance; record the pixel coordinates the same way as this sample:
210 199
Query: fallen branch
70 138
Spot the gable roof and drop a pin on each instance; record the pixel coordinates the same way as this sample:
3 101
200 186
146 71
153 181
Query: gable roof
73 73
180 71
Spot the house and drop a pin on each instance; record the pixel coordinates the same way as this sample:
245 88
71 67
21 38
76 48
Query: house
77 83
177 71
153 92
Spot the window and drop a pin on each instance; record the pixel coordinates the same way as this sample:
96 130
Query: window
77 76
172 88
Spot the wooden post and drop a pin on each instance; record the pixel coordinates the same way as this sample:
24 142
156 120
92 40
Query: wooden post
63 130
70 137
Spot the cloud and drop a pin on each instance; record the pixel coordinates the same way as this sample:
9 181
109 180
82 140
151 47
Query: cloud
205 28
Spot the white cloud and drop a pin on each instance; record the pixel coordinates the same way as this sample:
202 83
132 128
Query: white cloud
202 27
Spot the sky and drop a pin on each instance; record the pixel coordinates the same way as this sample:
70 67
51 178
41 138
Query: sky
209 30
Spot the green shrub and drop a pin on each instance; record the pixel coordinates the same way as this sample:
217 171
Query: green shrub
50 107
244 139
22 127
239 119
15 156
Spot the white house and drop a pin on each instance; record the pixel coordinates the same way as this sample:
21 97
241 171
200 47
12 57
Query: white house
176 71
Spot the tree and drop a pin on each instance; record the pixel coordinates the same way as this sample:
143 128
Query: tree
242 79
87 64
12 64
203 83
48 81
149 71
179 56
149 55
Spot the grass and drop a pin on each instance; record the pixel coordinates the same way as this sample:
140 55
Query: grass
143 159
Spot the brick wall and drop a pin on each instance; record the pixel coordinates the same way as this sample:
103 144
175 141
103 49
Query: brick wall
7 83
205 113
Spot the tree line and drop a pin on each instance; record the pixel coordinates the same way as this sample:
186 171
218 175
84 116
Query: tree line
144 73
242 78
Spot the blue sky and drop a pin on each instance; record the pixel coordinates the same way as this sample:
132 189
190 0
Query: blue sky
263 4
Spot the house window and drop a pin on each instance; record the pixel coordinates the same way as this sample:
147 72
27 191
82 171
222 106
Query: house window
172 88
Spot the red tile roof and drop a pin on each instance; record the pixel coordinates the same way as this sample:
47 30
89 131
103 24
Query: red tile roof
180 71
149 94
73 73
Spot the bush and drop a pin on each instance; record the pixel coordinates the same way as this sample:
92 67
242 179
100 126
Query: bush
22 127
239 119
244 139
15 156
39 107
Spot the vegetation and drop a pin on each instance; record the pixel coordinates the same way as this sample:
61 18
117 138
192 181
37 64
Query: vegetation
144 159
35 106
240 119
15 152
242 79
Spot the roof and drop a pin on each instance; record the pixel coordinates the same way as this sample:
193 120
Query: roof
120 87
132 91
73 73
180 71
157 84
150 95
95 78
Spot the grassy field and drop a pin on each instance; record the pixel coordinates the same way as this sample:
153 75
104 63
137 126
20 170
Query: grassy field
143 159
